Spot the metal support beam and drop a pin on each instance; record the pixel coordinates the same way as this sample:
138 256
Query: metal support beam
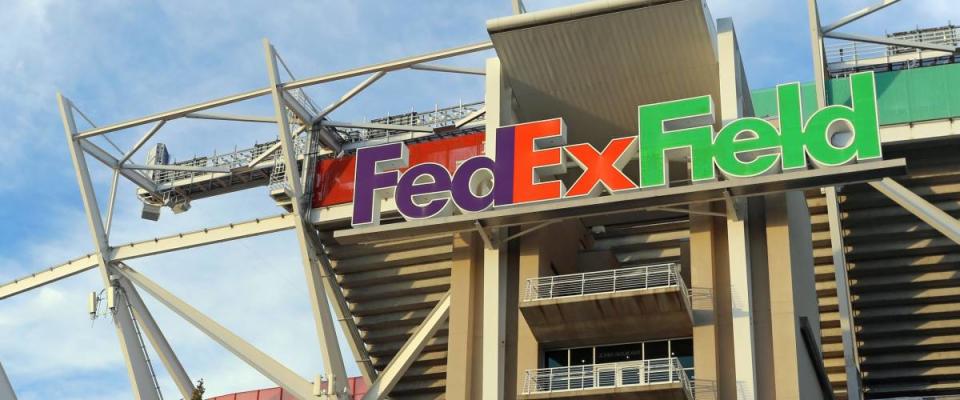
157 339
929 213
160 245
819 58
518 7
451 69
469 118
143 140
269 152
184 168
112 201
408 353
335 372
229 117
270 368
386 66
347 324
847 332
130 345
370 125
104 157
890 41
349 95
6 389
528 230
489 241
859 14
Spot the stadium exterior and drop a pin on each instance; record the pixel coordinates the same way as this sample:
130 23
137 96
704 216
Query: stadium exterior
620 217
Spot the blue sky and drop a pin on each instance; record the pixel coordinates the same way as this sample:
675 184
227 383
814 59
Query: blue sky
119 59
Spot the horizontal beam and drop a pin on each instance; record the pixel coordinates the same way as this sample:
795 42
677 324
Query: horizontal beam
260 361
104 157
230 117
370 125
387 66
446 68
150 247
889 41
392 65
929 213
174 167
627 202
859 14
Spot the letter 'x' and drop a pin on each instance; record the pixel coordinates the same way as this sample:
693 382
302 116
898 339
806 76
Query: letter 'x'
602 168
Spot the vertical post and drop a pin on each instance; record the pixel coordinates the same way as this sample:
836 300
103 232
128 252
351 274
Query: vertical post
334 370
738 242
130 344
732 91
819 61
851 363
6 389
518 7
847 335
493 342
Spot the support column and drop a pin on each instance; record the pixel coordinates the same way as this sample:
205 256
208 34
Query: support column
793 294
465 356
735 103
710 277
499 112
738 247
141 379
334 370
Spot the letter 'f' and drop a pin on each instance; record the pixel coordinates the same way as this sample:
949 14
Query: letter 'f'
376 179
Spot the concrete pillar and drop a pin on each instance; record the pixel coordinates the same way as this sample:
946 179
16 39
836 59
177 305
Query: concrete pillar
464 340
499 112
792 294
712 327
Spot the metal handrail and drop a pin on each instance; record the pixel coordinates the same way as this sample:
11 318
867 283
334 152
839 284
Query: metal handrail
609 375
616 280
871 53
436 118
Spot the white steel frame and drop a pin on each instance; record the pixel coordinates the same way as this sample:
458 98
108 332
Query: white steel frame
321 280
923 209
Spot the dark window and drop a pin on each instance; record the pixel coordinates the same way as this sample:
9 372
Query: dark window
556 358
581 356
619 353
654 350
683 350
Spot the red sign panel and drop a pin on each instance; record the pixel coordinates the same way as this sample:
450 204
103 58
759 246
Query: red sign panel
335 176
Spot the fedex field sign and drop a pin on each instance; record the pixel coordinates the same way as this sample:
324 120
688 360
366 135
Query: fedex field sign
530 155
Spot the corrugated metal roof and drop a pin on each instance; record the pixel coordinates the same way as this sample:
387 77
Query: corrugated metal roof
594 68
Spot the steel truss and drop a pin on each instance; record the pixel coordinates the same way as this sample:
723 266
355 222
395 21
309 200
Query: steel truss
300 123
910 201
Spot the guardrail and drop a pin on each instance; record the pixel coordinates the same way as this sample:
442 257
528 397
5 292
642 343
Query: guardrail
616 280
856 53
605 376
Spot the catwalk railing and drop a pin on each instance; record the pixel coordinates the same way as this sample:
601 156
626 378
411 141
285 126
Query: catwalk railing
606 376
611 281
857 53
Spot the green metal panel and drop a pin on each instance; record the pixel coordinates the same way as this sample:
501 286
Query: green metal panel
765 101
914 95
